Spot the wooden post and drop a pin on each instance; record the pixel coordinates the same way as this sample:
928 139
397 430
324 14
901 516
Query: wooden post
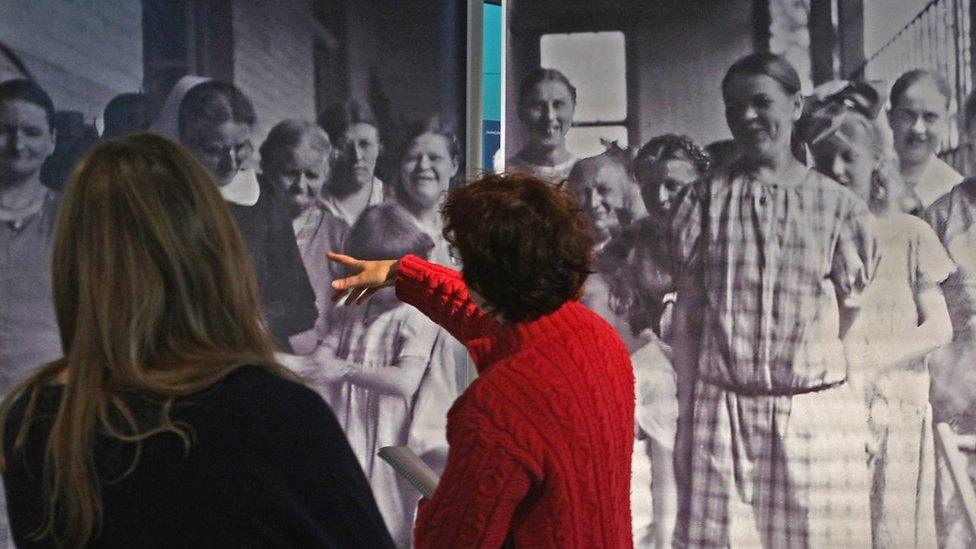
822 40
945 440
761 21
850 18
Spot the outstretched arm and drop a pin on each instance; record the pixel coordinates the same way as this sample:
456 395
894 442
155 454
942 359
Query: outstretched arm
436 291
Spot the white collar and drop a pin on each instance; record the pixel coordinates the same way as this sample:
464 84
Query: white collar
243 189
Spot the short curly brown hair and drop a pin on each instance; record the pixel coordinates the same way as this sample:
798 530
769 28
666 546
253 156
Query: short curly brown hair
524 243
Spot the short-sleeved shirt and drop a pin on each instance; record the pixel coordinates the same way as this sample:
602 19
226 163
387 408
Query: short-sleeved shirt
953 218
774 261
29 334
912 260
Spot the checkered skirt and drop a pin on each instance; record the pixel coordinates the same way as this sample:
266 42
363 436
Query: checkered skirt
777 471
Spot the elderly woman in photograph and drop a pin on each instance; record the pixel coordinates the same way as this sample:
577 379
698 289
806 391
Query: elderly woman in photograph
546 105
541 441
903 314
918 117
215 121
611 201
771 261
295 159
355 134
168 422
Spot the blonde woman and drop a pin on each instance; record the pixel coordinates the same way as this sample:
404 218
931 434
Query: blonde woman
903 316
168 421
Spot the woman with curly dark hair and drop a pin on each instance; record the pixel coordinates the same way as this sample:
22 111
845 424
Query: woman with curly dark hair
541 441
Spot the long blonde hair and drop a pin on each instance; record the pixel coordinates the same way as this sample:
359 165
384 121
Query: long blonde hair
154 296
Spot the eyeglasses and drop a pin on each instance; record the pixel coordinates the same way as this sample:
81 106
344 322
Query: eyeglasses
241 151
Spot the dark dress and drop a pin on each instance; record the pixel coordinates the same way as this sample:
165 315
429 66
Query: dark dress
287 299
268 466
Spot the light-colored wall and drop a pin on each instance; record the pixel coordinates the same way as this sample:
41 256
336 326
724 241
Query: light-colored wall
273 60
83 52
681 68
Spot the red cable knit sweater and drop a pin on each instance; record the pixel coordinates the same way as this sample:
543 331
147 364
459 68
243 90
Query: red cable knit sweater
540 443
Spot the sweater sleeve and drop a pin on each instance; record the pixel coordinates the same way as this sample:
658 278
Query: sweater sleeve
290 301
488 474
441 294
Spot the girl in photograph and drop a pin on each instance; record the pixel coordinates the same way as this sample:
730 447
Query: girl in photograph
903 315
546 105
375 358
28 211
771 261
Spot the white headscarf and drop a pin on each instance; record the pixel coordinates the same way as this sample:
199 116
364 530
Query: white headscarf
167 123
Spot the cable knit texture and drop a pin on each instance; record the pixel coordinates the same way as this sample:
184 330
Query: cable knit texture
540 443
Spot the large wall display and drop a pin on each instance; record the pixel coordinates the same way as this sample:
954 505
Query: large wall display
699 252
351 112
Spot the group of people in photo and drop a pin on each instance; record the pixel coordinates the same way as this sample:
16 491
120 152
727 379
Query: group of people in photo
796 304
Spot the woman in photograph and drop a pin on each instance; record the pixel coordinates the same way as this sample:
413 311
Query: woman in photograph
953 390
215 121
541 442
168 421
903 314
664 166
28 328
295 159
771 260
429 165
354 186
918 117
611 201
29 335
546 105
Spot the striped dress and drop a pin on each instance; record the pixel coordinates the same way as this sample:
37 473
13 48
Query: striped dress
779 439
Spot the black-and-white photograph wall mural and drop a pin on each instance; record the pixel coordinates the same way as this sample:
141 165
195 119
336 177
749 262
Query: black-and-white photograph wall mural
784 242
328 125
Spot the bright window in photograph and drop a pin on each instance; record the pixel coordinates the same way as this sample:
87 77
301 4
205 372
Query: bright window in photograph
596 64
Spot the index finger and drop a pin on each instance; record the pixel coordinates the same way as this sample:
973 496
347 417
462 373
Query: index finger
336 257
